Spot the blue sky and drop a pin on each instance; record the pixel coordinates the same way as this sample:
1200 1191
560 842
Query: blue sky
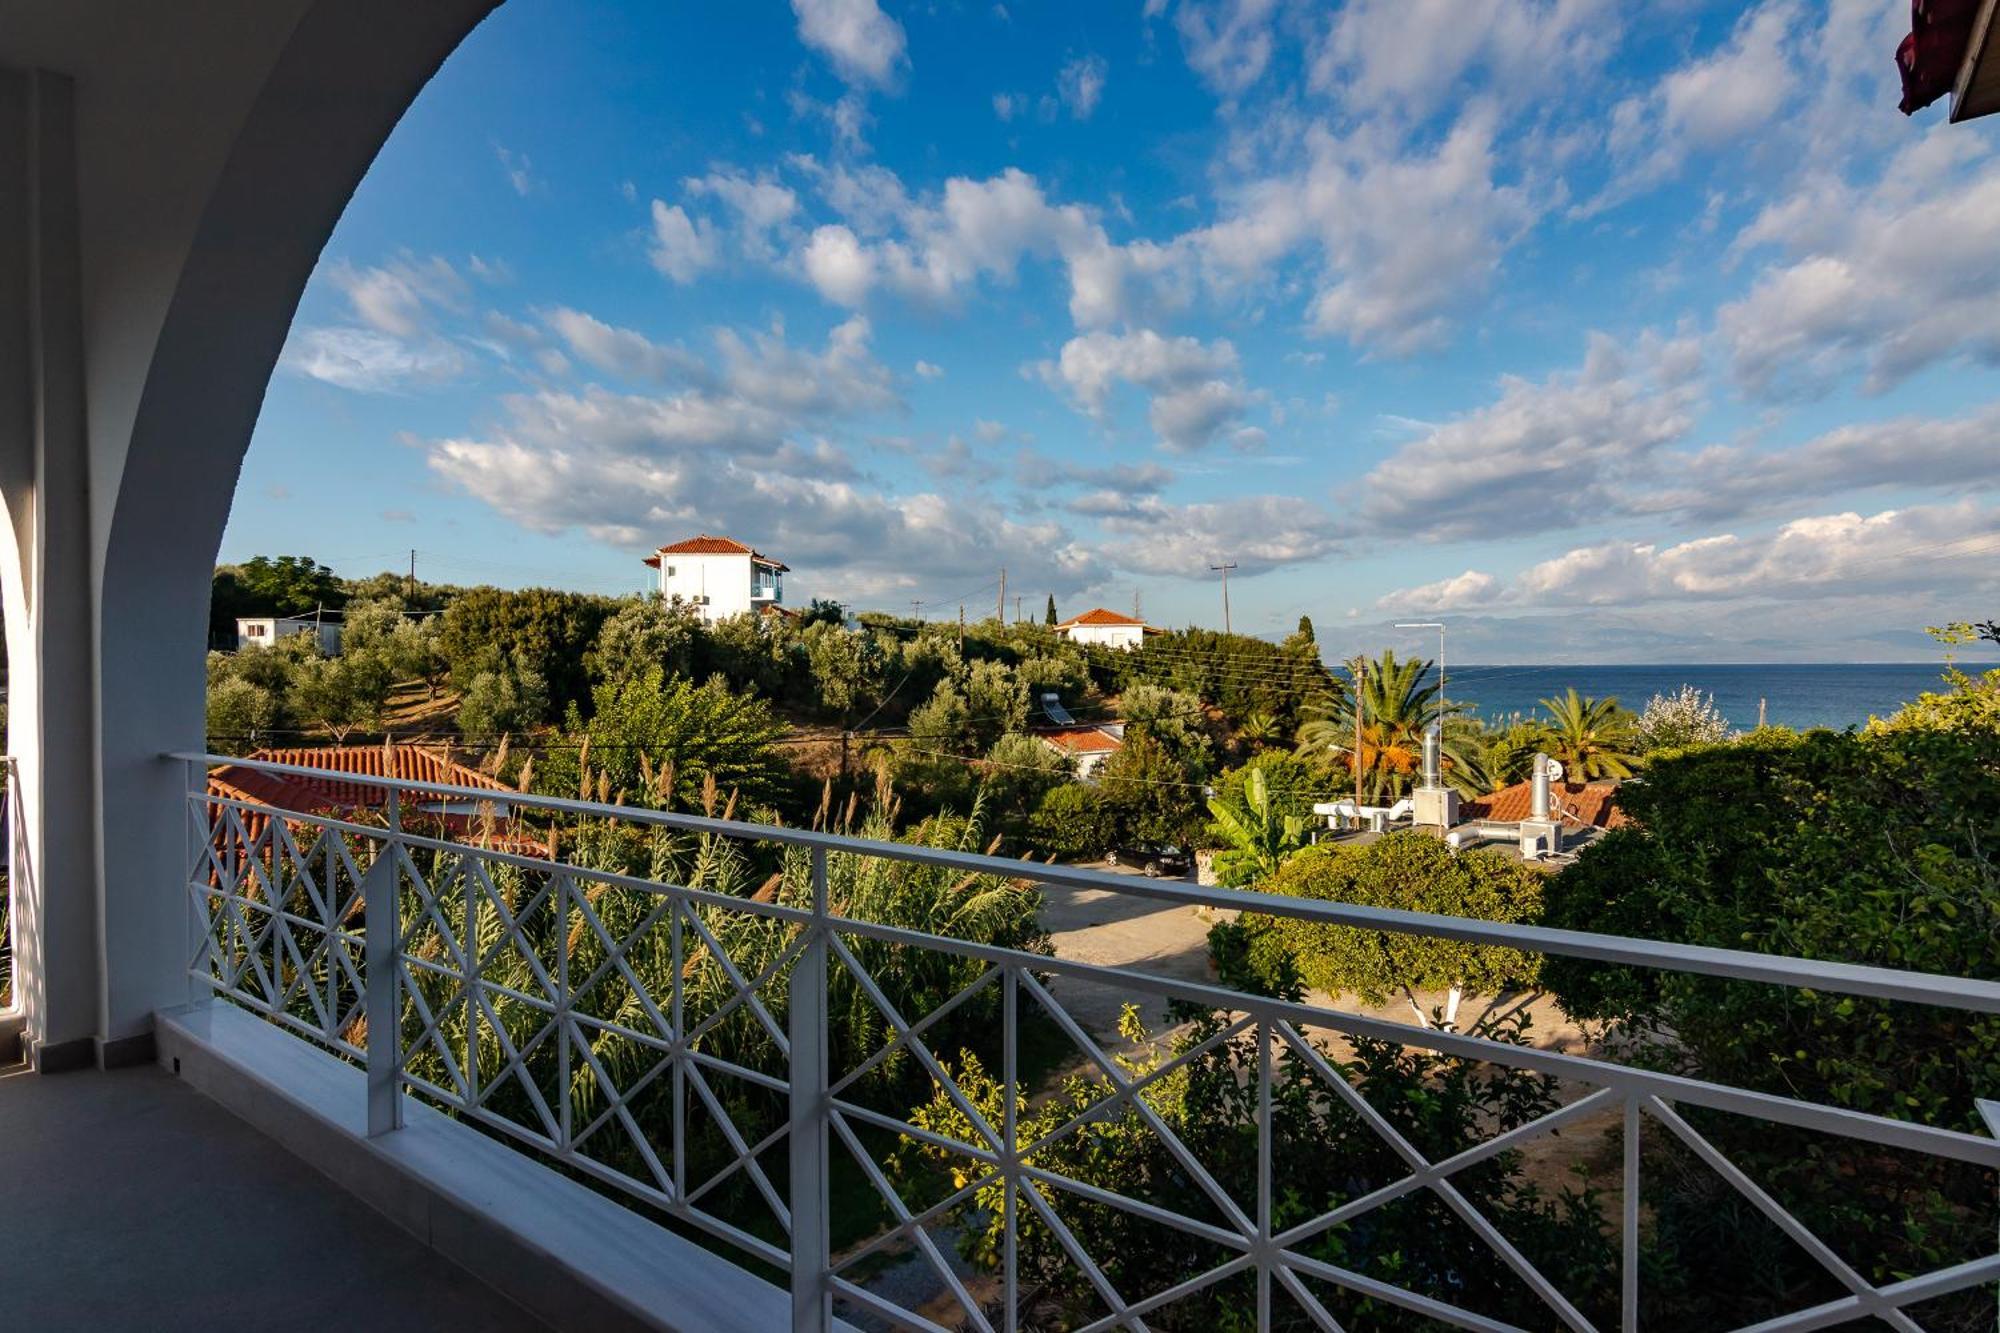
1604 335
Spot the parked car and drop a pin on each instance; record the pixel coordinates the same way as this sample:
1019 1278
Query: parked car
1152 859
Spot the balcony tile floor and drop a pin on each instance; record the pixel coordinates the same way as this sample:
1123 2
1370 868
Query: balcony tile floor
134 1202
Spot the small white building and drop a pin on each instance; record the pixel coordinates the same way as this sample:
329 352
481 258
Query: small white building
1107 628
1085 746
719 577
265 631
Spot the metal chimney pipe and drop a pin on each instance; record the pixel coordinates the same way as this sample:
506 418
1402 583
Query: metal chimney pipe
1540 808
1432 744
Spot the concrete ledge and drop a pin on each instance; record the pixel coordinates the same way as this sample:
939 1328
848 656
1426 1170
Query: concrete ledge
562 1252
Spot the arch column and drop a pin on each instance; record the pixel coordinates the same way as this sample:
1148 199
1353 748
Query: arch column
45 571
188 163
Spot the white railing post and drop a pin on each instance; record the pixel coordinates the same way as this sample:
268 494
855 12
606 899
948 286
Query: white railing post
812 1304
382 956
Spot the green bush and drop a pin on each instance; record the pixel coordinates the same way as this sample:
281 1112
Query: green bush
1410 871
1072 821
1869 848
1323 1154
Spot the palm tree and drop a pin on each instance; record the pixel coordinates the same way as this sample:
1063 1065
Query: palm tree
1592 738
1398 704
1258 730
1259 837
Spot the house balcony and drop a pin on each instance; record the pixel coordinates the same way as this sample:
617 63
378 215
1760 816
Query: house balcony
325 1072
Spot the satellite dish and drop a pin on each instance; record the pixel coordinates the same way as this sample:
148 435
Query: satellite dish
1555 771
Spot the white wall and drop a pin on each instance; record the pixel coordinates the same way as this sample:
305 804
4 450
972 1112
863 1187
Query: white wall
717 586
1111 636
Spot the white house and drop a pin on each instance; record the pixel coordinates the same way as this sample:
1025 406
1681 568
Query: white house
1107 628
1086 747
265 631
719 576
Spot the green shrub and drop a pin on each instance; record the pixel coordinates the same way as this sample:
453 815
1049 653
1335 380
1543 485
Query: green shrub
1414 872
1072 822
1870 848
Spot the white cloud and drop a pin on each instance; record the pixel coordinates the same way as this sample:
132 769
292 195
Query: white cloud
1228 43
1942 454
1827 555
761 205
927 370
1080 84
864 45
1196 393
400 297
683 247
368 360
1006 105
839 265
518 169
1735 92
624 352
1408 238
1545 455
1473 588
1890 278
1390 54
1260 532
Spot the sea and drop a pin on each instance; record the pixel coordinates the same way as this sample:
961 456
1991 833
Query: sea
1833 694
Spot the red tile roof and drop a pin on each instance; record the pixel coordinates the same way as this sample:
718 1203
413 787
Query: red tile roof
1082 740
1591 803
1100 616
707 545
332 795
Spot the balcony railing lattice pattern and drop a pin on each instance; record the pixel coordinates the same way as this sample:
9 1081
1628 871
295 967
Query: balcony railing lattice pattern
603 1022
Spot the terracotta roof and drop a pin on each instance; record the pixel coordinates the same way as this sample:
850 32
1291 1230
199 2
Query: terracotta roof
1081 740
1591 803
332 795
411 763
1100 616
707 545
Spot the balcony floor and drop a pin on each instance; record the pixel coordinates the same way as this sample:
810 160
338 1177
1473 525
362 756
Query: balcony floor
134 1202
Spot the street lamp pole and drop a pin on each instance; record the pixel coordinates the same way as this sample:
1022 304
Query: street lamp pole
1437 625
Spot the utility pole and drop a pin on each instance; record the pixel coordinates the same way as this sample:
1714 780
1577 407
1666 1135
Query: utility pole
917 608
1224 569
1017 608
1360 707
410 587
1002 612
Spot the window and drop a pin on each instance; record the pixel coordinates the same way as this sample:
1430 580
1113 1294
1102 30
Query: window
670 571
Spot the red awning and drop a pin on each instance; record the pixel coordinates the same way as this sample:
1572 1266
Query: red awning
1930 56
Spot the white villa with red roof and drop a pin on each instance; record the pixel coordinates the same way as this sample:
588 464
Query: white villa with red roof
720 577
1107 628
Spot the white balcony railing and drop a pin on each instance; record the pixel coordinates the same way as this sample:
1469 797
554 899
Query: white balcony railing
602 1021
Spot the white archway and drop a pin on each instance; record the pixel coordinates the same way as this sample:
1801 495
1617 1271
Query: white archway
175 171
